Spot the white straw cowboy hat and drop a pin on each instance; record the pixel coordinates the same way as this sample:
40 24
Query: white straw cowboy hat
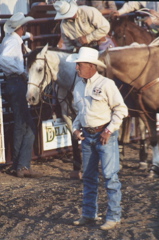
65 9
16 21
86 54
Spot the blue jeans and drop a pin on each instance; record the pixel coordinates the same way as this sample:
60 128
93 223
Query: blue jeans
24 129
93 152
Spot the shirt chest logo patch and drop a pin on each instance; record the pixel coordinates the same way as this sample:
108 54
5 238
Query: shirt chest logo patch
97 91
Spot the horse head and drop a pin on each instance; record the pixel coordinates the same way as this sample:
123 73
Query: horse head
41 72
124 31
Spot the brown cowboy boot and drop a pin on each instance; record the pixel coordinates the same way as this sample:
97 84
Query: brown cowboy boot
24 172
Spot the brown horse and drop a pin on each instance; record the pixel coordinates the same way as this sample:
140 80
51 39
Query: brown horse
124 32
138 67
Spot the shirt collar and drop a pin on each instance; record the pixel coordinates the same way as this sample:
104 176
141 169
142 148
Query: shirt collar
92 79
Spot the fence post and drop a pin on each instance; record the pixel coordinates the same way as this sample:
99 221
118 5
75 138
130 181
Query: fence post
2 145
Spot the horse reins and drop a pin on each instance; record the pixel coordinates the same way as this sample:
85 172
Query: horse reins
143 88
45 73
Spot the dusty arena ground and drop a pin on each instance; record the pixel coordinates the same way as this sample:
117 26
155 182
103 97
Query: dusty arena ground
44 208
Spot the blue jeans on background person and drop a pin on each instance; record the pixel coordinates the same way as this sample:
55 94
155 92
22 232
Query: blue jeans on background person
93 152
24 129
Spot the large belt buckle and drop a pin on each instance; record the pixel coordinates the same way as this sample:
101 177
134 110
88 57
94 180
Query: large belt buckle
91 130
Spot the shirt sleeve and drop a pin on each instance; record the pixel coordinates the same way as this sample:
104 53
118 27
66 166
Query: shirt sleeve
117 106
10 58
100 24
26 36
131 6
76 124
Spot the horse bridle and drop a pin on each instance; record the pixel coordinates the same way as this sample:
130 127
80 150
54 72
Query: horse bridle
45 73
40 86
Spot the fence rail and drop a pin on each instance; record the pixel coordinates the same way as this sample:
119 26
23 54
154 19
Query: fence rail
44 30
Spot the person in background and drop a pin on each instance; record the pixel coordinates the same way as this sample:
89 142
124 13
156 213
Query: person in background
100 110
12 64
152 7
41 3
153 20
81 25
130 6
105 7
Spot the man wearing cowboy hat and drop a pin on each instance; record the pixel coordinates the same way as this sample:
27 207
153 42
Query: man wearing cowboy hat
100 110
81 25
12 64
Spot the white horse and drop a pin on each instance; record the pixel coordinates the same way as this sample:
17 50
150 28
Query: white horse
50 67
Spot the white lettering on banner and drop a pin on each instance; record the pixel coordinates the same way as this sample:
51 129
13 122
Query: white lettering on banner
55 134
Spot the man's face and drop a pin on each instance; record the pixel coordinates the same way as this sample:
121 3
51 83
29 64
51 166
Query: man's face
84 69
24 27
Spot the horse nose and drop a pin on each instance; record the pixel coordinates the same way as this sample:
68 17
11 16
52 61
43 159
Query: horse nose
31 100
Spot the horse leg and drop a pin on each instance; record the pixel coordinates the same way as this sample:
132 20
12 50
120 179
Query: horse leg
154 170
150 123
143 153
124 137
76 155
68 115
77 161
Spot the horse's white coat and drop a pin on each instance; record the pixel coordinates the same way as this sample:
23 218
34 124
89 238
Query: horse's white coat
61 71
58 70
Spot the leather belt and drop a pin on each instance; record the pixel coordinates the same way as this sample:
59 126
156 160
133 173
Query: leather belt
93 130
12 75
15 75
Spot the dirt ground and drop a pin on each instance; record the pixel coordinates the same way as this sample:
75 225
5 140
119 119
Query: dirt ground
44 208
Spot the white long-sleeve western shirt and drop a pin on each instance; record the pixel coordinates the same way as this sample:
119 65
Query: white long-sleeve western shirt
11 56
131 6
98 101
136 5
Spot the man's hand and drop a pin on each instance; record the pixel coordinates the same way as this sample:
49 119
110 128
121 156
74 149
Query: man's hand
104 137
115 13
153 12
82 40
148 21
31 37
77 134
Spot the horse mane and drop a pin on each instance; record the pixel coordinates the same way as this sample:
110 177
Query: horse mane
134 45
33 54
32 57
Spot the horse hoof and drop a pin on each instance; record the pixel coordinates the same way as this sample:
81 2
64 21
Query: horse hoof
152 174
76 175
143 165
